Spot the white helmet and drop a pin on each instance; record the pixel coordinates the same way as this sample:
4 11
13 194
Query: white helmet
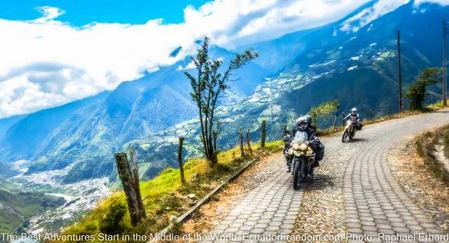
354 110
302 123
308 118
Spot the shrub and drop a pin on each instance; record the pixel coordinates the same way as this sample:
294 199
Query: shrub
111 222
416 92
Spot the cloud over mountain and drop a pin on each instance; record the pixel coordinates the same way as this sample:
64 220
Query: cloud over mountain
46 62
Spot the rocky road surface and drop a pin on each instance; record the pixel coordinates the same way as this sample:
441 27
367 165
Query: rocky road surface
355 196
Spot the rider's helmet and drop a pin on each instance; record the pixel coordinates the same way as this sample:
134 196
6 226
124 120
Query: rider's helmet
302 123
354 110
308 119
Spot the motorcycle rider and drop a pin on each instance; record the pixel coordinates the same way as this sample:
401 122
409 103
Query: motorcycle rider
355 118
319 148
303 123
309 122
287 143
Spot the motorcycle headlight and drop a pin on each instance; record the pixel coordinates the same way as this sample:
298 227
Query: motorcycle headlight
296 146
298 153
303 147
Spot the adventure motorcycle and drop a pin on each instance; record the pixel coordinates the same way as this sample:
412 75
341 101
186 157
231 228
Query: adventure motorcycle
303 157
350 128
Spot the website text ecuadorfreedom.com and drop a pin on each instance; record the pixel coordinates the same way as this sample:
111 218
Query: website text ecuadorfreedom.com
231 237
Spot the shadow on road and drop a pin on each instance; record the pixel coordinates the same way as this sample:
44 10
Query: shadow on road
358 140
319 183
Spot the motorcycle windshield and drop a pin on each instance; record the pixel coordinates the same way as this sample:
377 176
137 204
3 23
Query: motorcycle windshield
300 137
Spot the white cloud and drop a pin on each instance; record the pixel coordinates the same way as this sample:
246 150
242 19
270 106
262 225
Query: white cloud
441 2
367 15
46 62
380 8
49 13
240 22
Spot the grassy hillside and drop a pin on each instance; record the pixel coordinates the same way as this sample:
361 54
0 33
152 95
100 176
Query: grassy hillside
165 196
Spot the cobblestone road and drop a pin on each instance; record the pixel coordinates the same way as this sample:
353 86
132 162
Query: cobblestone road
374 201
269 209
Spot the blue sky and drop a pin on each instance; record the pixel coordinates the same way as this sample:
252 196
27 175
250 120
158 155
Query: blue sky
82 12
57 51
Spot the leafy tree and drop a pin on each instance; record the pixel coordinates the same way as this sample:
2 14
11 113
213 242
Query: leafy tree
416 92
325 109
208 86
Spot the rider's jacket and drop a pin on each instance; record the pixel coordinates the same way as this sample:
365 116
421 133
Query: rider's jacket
311 135
352 117
313 139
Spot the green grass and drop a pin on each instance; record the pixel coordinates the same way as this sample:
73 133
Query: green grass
165 196
436 106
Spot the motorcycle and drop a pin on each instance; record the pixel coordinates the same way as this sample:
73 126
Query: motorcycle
349 132
287 144
303 157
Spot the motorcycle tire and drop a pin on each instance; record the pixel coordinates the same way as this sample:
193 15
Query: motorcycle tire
299 173
344 137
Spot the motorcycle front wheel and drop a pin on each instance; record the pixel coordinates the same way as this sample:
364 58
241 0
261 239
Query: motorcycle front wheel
345 136
299 173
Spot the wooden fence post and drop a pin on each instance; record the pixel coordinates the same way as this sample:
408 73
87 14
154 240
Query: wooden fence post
131 186
242 151
263 131
136 180
248 142
180 162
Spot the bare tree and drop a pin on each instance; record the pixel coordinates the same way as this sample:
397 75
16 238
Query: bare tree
207 87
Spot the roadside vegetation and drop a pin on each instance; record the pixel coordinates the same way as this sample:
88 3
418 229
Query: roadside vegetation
208 86
325 111
417 91
165 196
426 148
